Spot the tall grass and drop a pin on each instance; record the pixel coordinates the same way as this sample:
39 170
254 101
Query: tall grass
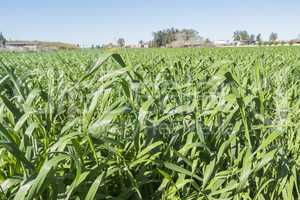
150 124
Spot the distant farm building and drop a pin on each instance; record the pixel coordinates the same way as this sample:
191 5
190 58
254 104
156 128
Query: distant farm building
19 46
241 42
295 42
222 43
186 44
22 45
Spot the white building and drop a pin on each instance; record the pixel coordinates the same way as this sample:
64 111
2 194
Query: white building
222 43
22 45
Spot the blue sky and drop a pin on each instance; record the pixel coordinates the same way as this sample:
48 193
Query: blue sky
102 21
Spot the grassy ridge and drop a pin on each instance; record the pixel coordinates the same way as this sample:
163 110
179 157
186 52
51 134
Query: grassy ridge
150 124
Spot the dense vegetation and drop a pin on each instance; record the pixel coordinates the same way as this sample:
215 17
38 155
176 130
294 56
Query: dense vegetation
150 124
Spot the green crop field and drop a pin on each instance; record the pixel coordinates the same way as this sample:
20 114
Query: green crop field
191 124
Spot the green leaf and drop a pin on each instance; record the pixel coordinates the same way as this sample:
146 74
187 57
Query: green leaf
209 169
149 148
181 170
144 111
93 189
45 176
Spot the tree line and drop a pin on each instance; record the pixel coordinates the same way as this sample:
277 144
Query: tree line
244 36
167 36
180 37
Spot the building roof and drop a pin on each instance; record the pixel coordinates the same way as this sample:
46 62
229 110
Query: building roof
22 42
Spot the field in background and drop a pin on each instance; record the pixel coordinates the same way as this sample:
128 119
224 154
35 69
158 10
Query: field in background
150 124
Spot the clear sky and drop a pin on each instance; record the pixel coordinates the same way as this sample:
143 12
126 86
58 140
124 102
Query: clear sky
102 21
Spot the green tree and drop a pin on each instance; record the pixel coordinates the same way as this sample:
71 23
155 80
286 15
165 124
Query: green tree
252 39
236 36
158 39
241 36
244 35
258 38
141 43
167 36
2 40
189 34
207 41
273 37
121 42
